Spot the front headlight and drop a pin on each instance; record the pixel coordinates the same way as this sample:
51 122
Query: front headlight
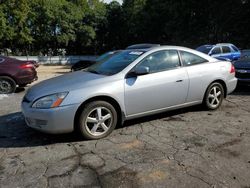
50 101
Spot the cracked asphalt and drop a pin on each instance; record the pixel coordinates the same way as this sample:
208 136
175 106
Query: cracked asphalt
183 148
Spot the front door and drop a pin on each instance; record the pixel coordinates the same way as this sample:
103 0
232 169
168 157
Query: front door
166 85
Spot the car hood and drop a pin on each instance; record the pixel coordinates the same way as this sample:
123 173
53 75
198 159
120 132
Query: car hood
67 82
242 64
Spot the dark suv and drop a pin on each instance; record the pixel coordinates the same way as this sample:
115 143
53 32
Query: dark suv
242 67
223 51
14 72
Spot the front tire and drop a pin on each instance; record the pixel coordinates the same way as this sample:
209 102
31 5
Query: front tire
7 85
97 120
214 96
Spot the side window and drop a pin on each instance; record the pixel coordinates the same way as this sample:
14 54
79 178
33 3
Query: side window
216 50
235 48
226 49
160 61
190 59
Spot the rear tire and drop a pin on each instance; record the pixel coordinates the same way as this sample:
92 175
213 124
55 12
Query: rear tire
7 85
97 120
214 96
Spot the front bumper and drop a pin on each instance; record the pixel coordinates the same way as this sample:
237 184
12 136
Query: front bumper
54 121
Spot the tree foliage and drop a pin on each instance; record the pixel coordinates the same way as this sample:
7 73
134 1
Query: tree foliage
91 26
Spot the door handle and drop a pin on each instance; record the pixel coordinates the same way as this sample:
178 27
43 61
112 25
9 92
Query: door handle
179 81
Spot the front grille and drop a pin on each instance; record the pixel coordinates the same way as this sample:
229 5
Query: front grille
36 122
40 122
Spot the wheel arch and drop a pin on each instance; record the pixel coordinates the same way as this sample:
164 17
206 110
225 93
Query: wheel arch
222 82
112 101
8 75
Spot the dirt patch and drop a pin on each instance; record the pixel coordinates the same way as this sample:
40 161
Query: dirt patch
122 177
131 145
222 149
153 176
173 118
195 141
220 132
1 169
45 72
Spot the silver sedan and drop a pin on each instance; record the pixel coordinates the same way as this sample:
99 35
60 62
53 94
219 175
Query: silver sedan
131 84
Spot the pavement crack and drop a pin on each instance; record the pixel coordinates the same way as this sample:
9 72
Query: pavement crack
199 178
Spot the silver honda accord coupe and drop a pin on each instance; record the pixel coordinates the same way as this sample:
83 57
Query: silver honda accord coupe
131 84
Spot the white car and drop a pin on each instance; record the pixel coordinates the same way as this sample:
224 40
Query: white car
131 84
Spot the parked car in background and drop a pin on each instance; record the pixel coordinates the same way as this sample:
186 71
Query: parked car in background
130 84
219 51
14 72
83 64
242 67
245 54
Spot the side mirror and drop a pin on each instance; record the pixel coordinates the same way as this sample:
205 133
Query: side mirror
138 71
141 70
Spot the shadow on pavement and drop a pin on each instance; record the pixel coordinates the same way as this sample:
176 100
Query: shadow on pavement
165 116
20 89
242 90
15 133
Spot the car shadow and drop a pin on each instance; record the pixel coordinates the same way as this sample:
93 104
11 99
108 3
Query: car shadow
164 116
15 133
61 72
242 90
20 89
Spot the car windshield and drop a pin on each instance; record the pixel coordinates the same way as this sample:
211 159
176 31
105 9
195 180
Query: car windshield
204 49
116 63
105 56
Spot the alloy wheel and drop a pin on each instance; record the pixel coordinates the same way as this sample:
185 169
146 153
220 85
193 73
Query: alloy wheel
5 86
215 96
99 121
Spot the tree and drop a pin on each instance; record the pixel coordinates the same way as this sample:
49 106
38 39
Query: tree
91 26
15 24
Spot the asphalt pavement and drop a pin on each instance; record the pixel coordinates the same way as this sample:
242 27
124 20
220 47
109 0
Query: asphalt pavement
190 147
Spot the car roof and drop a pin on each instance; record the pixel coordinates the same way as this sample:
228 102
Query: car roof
142 46
170 47
220 44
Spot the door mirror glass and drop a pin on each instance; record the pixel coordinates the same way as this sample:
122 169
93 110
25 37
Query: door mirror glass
141 70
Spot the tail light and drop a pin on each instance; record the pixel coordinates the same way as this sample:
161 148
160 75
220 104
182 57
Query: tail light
232 69
26 66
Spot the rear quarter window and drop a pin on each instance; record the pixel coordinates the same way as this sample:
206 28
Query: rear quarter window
189 59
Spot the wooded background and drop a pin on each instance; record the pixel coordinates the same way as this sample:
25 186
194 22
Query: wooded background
33 27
